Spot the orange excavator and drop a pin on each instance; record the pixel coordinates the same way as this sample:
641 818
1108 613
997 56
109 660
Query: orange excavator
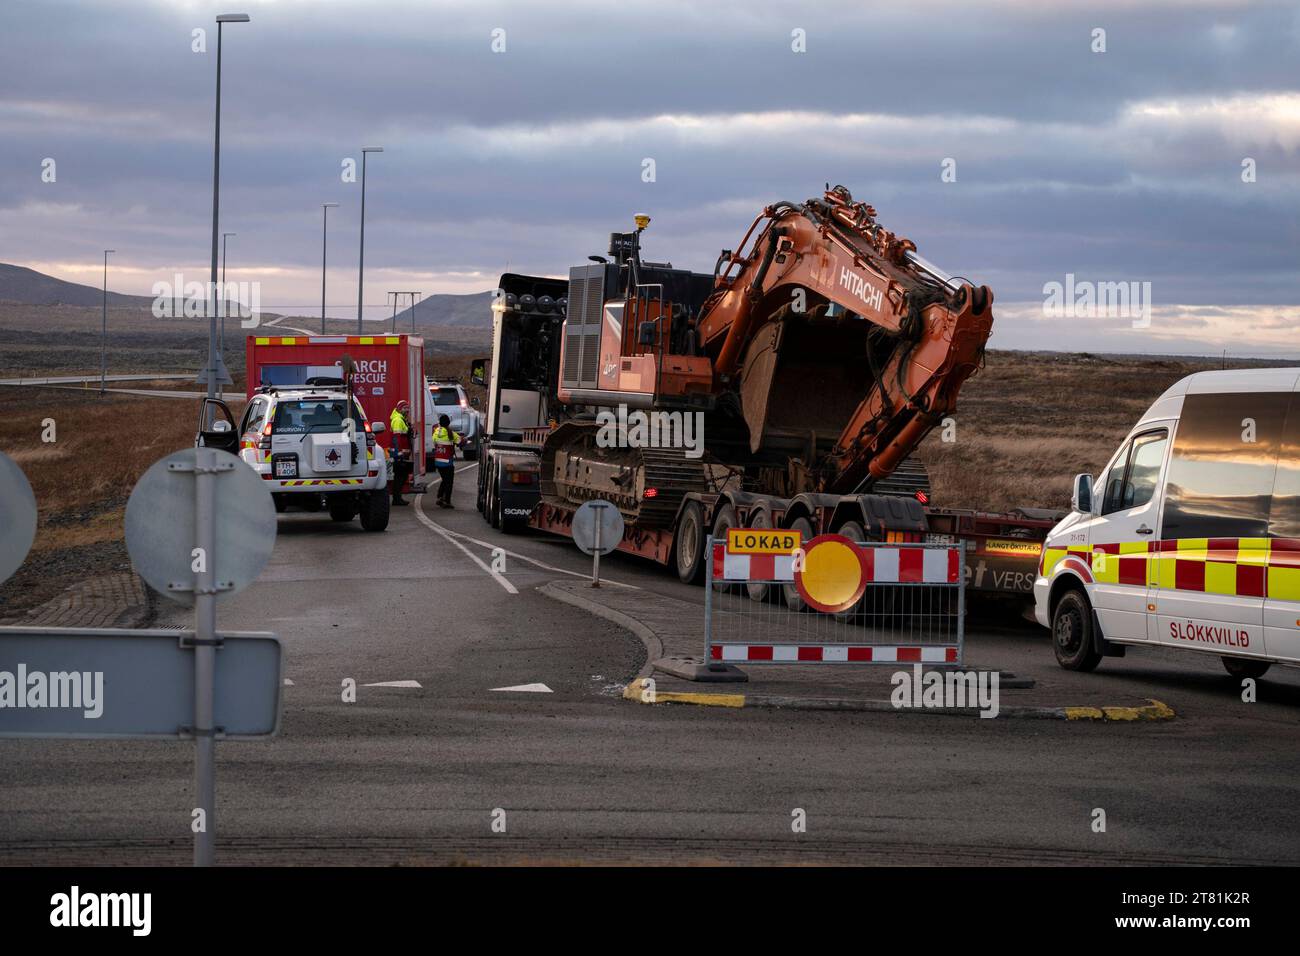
816 357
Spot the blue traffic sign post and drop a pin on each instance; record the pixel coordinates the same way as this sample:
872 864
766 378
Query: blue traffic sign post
199 525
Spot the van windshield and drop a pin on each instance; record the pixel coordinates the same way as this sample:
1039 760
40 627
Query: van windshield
313 414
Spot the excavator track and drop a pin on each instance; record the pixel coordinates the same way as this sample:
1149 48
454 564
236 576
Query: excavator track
645 484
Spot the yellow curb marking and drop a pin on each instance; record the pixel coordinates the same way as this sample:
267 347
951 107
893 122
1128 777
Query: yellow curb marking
635 691
1155 710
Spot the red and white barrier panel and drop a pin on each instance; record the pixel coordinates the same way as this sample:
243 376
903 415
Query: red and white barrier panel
834 653
882 565
751 567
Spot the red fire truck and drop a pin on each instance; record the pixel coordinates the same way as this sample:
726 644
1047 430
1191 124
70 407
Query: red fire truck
386 369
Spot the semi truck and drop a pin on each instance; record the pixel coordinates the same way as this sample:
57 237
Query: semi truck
794 384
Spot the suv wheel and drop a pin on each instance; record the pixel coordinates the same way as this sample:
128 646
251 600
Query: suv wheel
342 507
374 510
1072 632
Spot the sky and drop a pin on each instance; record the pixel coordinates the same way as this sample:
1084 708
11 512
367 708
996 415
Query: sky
998 137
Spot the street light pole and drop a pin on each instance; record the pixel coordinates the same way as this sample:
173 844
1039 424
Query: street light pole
103 333
325 216
361 268
216 193
225 305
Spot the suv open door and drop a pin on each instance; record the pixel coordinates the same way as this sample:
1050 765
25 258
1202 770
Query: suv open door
217 427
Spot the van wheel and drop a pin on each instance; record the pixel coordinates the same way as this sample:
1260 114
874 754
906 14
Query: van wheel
374 510
791 594
690 544
1240 667
1072 633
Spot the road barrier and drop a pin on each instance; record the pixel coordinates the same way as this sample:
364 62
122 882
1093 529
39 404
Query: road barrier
834 600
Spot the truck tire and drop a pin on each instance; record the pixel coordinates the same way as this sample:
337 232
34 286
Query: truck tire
374 510
689 544
1072 632
342 507
723 522
494 499
1241 668
855 532
789 591
759 591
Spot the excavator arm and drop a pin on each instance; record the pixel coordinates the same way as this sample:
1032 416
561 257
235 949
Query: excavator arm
831 324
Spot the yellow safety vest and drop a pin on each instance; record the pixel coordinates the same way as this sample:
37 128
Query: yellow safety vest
444 446
398 424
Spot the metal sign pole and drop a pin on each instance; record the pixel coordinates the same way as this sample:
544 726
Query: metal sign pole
708 599
595 552
205 655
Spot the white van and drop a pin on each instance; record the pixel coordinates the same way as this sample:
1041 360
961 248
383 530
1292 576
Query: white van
1191 537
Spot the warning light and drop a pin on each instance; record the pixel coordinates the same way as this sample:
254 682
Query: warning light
652 492
922 497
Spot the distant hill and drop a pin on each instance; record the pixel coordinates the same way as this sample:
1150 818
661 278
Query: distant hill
462 311
29 287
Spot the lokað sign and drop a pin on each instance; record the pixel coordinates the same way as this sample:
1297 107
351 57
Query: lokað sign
762 541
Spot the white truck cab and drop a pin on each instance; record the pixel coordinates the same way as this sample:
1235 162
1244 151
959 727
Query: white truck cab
1190 538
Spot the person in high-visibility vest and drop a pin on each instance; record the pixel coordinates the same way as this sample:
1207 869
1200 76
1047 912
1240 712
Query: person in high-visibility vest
444 458
399 426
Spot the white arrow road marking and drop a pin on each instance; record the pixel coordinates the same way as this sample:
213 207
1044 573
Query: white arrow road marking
287 682
430 523
394 683
528 689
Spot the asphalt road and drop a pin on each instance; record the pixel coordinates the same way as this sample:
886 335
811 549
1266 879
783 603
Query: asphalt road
413 774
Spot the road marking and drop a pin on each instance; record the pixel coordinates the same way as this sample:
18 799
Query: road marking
287 682
528 689
430 523
394 683
466 468
541 564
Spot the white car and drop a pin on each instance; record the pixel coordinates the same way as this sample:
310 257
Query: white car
451 399
313 451
1191 537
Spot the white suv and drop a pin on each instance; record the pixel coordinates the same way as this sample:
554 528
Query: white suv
315 452
450 399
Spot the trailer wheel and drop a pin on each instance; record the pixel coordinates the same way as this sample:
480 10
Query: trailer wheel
723 522
375 510
1072 632
1240 668
690 544
854 532
759 591
789 591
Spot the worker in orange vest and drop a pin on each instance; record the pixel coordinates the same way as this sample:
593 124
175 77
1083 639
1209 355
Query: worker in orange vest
444 458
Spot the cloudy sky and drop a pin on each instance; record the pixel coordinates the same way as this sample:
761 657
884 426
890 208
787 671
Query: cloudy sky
1123 165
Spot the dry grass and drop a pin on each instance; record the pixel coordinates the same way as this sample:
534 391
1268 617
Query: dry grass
1030 421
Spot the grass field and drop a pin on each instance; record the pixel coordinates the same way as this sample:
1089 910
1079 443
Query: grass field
1026 424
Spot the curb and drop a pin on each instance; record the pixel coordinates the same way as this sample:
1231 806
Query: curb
1154 710
654 647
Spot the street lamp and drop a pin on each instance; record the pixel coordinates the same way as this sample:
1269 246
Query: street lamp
325 208
212 372
103 334
225 306
361 274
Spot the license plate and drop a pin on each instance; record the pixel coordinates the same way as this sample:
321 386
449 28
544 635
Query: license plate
940 539
286 469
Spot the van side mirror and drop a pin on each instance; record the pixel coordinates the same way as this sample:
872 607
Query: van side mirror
1081 497
474 402
378 428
